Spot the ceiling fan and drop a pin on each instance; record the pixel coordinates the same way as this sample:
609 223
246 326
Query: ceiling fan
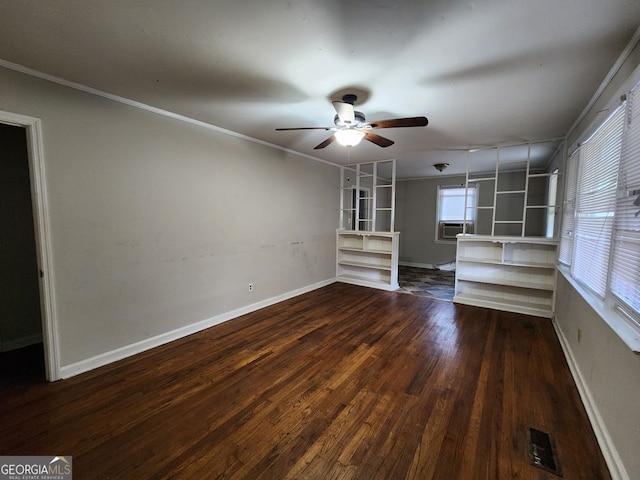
351 127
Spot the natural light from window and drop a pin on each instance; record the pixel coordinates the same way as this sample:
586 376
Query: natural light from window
450 216
451 203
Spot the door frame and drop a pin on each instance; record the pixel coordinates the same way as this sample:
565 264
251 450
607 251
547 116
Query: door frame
40 205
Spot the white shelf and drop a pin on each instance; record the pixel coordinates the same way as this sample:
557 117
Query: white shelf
527 308
364 265
515 264
369 250
516 274
482 179
367 258
547 174
506 282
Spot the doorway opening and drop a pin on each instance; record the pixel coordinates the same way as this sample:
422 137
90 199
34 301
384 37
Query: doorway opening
20 316
427 282
27 333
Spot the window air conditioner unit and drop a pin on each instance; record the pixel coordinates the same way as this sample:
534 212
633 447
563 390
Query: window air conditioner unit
449 230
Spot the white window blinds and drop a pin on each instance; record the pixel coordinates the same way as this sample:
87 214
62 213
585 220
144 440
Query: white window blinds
596 202
569 209
625 267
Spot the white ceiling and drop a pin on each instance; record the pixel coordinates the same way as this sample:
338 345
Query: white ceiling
484 72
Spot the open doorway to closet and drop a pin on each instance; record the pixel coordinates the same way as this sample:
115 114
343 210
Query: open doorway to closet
21 349
28 341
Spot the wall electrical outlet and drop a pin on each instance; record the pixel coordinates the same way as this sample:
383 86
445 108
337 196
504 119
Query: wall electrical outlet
251 287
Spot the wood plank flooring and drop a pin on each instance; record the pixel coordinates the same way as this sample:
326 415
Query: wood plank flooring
343 382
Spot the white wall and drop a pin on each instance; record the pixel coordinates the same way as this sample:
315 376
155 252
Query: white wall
609 372
158 224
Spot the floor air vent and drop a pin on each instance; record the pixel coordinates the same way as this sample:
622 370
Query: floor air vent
542 451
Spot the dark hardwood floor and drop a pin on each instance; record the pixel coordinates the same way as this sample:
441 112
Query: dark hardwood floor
343 382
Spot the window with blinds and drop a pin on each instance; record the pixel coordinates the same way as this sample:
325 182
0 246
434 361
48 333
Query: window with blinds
600 233
625 265
599 159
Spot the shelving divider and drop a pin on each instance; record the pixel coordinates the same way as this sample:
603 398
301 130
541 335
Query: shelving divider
366 245
367 258
516 274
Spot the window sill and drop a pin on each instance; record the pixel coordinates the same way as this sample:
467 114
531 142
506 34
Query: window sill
622 327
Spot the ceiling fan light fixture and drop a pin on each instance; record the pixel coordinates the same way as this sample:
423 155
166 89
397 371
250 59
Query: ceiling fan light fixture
351 127
441 166
349 137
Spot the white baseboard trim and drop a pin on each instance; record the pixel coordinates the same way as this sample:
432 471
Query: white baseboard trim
418 265
6 346
609 451
106 358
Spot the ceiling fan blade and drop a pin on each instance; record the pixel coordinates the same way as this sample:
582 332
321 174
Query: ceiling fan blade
346 113
304 128
378 140
400 122
327 142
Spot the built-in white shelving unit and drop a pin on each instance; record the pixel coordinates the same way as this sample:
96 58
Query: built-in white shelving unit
367 246
367 258
516 274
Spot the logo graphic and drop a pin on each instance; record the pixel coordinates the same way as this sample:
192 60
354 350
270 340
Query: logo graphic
36 468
